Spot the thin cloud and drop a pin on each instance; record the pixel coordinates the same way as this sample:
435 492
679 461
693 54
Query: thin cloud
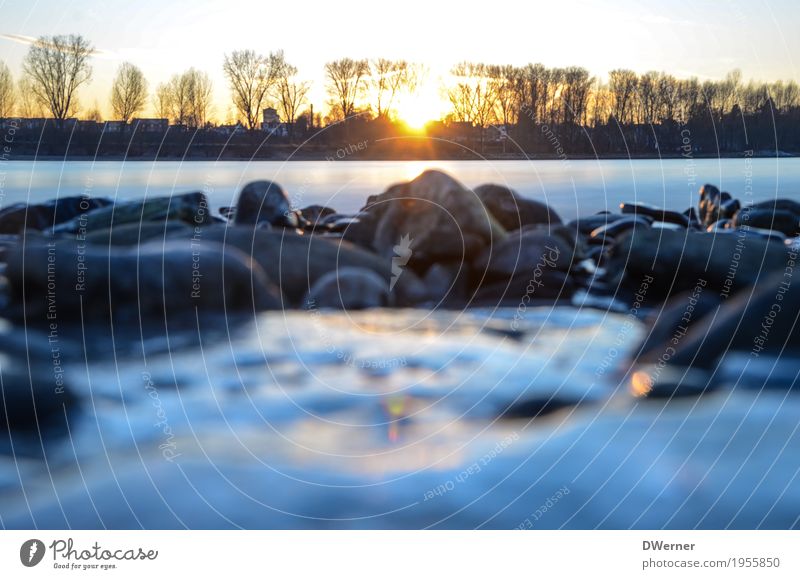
28 40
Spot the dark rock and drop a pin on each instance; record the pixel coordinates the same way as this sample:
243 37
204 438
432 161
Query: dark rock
618 227
526 253
721 225
781 220
676 260
21 217
656 213
442 219
586 225
779 205
316 214
715 205
228 213
265 201
191 208
758 321
513 211
68 280
135 233
447 282
349 288
527 289
296 262
34 394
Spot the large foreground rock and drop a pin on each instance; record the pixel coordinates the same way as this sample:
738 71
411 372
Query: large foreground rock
440 218
57 280
513 211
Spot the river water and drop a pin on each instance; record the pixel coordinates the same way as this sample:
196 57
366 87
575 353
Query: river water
571 187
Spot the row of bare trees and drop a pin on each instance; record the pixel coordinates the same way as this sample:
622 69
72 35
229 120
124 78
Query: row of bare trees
479 94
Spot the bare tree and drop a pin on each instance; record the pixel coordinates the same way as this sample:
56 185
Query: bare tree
187 97
162 101
94 114
623 84
251 77
200 93
346 79
28 104
6 92
56 67
129 92
291 96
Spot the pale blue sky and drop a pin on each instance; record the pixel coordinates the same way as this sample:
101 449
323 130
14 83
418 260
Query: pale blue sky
701 38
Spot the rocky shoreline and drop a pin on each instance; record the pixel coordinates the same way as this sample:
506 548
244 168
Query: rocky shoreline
714 280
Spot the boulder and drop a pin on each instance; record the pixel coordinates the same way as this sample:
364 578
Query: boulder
191 208
677 259
513 211
21 217
443 220
585 225
655 213
781 220
64 279
132 234
715 205
316 214
265 201
349 288
524 254
295 262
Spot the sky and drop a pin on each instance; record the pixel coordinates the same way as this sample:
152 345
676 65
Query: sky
690 38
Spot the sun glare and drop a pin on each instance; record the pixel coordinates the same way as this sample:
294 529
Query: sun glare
419 109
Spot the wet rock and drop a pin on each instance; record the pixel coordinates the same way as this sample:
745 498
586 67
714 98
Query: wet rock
779 205
656 213
442 219
618 227
721 225
447 282
513 211
21 217
265 201
524 253
761 320
316 214
781 220
295 262
542 286
349 288
586 225
715 205
34 394
135 233
677 259
228 213
67 280
191 208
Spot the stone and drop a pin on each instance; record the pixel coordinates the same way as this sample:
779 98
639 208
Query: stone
63 279
656 213
780 220
22 217
316 214
758 321
585 225
524 253
542 286
349 288
442 219
714 205
34 392
191 208
265 201
295 262
676 260
135 233
513 211
618 227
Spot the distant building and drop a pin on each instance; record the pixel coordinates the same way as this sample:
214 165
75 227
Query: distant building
115 126
150 125
228 130
272 124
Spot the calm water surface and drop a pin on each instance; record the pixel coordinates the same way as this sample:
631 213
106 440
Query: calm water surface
571 187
